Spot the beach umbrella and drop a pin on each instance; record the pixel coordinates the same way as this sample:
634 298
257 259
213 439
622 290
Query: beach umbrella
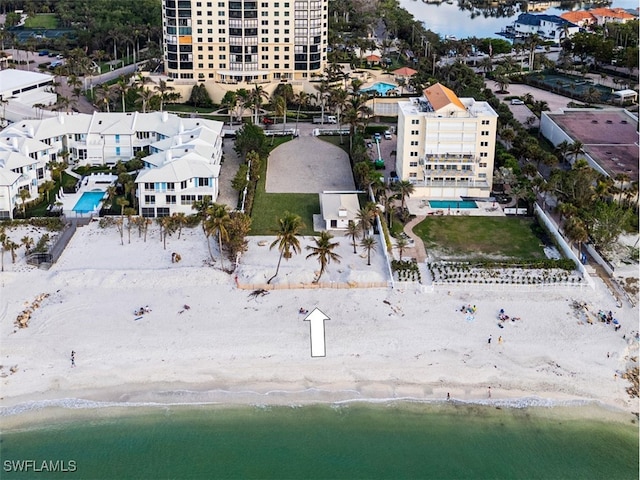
405 72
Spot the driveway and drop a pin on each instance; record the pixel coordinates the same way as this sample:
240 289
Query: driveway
307 164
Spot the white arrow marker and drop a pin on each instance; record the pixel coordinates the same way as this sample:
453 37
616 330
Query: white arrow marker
316 319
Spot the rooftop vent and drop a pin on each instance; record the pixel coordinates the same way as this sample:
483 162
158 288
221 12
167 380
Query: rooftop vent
609 121
594 121
624 121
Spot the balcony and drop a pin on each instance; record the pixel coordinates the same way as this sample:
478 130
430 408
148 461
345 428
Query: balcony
449 159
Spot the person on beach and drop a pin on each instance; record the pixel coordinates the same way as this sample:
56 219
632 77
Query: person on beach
489 340
448 396
73 358
500 339
489 392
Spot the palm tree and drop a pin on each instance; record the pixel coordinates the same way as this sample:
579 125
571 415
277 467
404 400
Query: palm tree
302 99
120 88
404 188
123 202
144 96
366 216
163 90
576 231
230 101
27 242
202 207
217 224
321 97
180 218
353 232
576 149
24 194
288 230
563 149
401 244
323 250
257 95
338 100
368 243
46 188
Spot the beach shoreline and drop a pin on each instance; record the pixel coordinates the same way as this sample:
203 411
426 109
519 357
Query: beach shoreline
232 347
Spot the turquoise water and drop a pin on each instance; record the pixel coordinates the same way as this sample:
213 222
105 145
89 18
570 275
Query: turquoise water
88 202
351 442
380 87
452 204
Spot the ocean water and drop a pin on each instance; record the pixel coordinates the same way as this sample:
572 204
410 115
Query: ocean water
391 441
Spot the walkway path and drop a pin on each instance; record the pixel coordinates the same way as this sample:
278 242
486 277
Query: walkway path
417 251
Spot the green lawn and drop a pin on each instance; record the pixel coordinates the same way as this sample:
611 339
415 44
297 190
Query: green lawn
41 20
482 237
269 207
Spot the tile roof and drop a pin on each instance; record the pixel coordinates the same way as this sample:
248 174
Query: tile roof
440 97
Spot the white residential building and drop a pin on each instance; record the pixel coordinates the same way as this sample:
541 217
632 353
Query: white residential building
177 147
249 41
547 27
446 144
23 166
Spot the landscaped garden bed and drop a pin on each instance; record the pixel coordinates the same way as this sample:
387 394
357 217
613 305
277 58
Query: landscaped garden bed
543 272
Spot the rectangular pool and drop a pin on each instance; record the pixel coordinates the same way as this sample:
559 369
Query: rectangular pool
88 202
452 204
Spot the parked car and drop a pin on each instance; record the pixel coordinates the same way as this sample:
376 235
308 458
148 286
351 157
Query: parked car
387 135
376 136
517 101
43 53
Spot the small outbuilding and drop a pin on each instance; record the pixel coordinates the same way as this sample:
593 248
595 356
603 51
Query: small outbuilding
337 209
624 96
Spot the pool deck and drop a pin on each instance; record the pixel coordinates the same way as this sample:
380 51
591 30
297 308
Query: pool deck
91 183
419 206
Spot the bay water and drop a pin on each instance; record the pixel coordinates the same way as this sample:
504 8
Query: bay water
462 19
348 441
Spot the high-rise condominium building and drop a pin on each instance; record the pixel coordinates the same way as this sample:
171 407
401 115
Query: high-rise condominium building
446 144
244 40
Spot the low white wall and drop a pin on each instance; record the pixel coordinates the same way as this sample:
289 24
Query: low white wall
562 243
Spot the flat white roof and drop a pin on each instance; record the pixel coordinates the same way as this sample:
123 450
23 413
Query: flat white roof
12 79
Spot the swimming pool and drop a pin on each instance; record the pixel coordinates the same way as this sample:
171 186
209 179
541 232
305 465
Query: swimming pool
380 87
88 202
452 204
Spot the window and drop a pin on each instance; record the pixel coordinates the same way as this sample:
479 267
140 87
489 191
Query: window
485 122
413 175
150 199
483 165
484 144
150 186
413 164
171 186
484 154
183 185
148 212
482 175
414 132
413 154
415 121
170 199
484 133
414 143
203 182
117 151
117 138
187 199
163 212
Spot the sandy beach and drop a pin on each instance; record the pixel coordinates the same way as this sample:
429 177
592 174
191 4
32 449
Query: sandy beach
206 340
